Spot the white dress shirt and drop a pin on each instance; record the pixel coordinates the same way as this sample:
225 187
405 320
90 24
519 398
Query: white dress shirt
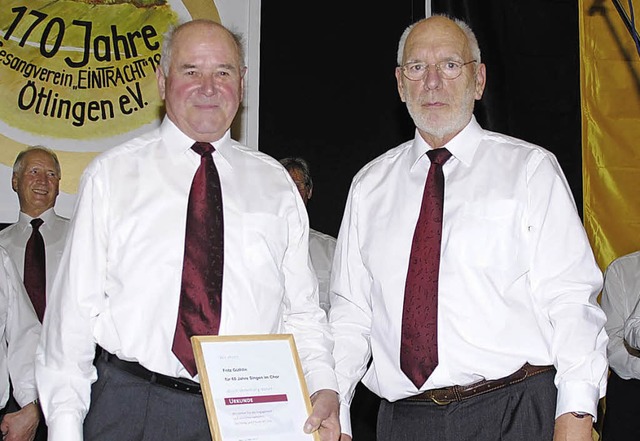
20 330
518 280
620 301
54 232
321 249
120 274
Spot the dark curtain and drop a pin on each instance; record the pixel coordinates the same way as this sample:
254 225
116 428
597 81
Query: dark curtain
531 49
328 91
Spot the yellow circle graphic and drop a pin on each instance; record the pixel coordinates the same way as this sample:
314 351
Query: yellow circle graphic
79 75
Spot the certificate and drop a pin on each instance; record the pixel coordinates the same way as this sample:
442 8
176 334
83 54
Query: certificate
253 387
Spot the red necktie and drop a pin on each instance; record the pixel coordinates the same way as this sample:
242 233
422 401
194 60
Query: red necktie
201 292
35 275
419 346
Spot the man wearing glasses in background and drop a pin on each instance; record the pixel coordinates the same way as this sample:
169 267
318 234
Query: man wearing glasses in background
475 302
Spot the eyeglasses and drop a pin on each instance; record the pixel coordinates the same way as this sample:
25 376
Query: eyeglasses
448 70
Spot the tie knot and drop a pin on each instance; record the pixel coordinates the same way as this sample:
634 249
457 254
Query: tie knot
202 148
35 223
439 156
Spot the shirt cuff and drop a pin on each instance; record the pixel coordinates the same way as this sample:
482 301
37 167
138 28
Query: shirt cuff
321 380
25 398
65 427
577 396
345 419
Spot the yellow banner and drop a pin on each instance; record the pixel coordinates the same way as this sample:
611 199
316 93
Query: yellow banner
610 95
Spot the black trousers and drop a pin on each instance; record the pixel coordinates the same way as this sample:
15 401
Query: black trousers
622 412
521 412
127 408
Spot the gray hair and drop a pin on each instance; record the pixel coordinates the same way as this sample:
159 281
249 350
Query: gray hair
167 43
19 162
464 27
302 166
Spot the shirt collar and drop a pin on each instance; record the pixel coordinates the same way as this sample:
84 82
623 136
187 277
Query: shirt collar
46 216
463 146
177 141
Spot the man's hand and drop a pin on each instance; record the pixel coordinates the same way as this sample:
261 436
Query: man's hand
21 425
345 437
324 417
571 428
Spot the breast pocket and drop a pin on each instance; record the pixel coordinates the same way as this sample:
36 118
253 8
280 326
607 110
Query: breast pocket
487 233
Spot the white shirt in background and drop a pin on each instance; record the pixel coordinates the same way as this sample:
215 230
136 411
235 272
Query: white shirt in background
321 249
20 331
620 301
54 232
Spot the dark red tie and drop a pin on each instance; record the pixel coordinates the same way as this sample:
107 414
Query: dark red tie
35 274
419 346
201 292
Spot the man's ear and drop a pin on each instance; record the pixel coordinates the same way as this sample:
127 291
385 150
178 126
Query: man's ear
400 85
14 182
243 75
161 81
481 80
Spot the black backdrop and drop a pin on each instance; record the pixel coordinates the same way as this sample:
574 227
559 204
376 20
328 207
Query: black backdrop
328 91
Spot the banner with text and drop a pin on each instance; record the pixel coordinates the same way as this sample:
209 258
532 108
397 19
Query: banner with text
78 76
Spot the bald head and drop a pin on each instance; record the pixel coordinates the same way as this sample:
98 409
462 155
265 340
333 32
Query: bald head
440 102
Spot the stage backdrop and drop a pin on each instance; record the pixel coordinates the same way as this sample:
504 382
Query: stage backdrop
78 76
610 81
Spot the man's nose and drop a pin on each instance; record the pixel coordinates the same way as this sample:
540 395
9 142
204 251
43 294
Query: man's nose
432 78
208 84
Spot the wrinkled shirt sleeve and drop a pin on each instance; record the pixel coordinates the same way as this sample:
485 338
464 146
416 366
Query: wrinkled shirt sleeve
565 282
64 361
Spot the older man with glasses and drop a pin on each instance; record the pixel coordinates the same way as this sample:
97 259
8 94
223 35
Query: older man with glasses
464 287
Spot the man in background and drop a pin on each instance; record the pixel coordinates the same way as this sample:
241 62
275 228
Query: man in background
36 181
321 246
621 303
36 241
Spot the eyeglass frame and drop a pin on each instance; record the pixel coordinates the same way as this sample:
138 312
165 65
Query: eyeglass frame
438 69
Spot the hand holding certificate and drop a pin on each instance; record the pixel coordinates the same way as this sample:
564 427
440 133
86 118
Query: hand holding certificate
253 387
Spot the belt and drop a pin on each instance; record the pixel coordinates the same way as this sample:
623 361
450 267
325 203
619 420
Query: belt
133 368
450 394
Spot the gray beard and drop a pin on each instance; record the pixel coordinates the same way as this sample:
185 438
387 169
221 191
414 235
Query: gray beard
449 128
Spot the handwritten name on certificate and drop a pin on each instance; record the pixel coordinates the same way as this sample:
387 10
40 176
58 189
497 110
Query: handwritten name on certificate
253 387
